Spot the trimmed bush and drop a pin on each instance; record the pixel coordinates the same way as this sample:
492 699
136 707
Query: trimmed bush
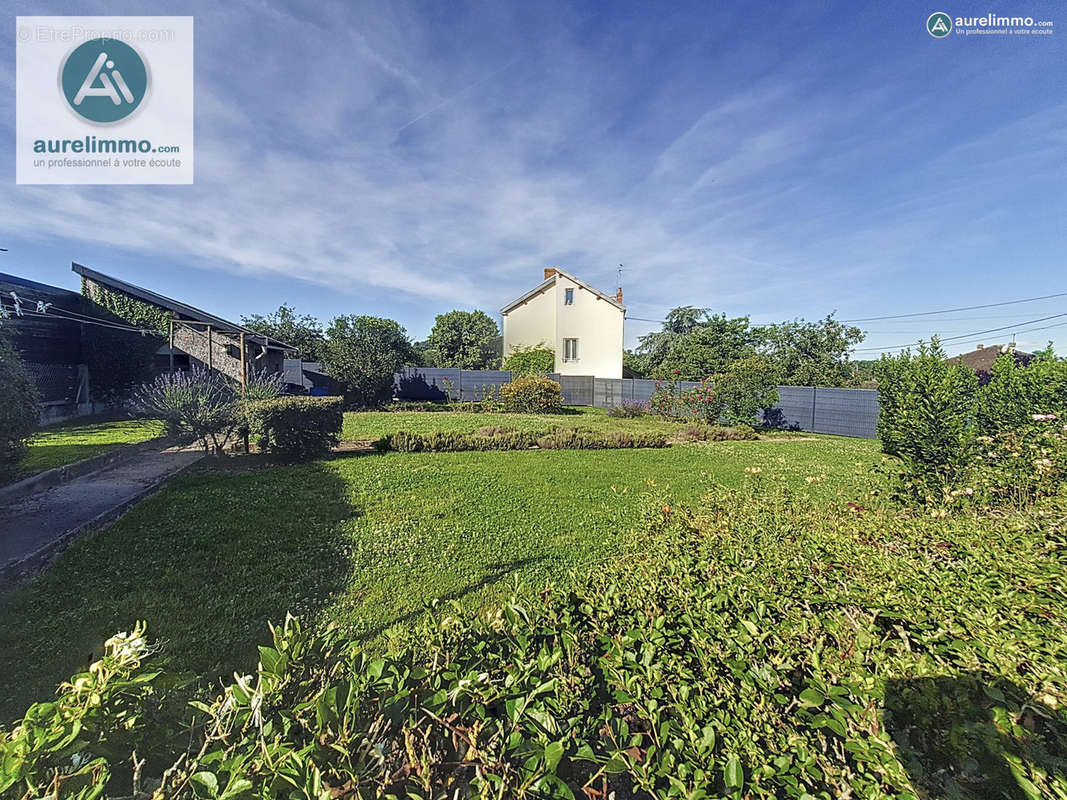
531 394
20 408
296 428
506 439
594 440
717 433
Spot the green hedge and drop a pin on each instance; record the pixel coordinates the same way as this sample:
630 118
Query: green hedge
296 428
503 439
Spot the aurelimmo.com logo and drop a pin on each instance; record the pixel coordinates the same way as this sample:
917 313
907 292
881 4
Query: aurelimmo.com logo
104 80
939 24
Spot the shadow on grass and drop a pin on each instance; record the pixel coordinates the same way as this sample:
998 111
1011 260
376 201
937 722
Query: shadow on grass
494 572
207 563
966 736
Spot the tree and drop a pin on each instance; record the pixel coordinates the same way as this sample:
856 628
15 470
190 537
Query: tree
532 360
696 343
301 331
747 388
810 353
464 340
362 354
19 407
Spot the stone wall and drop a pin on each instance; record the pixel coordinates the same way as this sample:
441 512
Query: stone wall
224 353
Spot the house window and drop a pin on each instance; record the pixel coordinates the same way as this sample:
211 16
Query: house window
568 298
570 349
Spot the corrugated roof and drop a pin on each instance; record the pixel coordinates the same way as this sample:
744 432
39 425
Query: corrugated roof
552 279
176 306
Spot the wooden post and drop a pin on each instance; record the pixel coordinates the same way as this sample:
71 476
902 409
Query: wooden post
210 354
244 368
170 326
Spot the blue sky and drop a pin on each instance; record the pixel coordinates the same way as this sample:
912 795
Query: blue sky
403 159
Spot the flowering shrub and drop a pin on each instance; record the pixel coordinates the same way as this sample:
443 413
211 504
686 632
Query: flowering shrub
204 403
531 394
1019 465
200 402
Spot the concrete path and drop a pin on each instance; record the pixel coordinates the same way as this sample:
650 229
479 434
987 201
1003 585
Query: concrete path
36 528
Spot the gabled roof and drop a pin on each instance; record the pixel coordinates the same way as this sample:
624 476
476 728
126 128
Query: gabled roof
175 306
551 280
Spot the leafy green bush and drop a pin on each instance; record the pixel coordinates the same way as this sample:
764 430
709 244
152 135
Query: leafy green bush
746 388
538 360
20 408
926 418
531 394
765 647
296 428
1016 392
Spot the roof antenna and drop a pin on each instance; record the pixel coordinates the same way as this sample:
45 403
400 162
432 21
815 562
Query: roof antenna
618 294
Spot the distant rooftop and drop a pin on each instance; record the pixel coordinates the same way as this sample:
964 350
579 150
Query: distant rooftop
981 358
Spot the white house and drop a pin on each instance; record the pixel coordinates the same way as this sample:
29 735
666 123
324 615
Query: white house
583 325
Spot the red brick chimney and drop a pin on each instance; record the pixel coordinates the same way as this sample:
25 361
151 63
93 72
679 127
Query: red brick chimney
549 272
618 295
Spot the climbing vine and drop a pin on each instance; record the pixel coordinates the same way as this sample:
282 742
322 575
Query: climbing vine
119 360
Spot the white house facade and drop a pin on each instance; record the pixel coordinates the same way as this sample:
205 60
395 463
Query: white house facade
582 325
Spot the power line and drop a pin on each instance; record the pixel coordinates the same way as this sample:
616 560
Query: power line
961 308
1015 326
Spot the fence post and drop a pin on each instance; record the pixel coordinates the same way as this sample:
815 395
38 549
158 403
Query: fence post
814 390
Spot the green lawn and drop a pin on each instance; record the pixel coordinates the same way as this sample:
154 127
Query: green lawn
363 541
62 444
362 426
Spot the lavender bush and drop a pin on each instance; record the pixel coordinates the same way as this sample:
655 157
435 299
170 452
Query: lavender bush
204 403
628 409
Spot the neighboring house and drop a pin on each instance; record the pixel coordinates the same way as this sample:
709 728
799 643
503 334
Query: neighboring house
981 359
193 336
582 325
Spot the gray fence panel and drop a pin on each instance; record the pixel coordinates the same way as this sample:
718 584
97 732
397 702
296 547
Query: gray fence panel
796 408
477 384
608 392
641 390
846 412
577 389
427 383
